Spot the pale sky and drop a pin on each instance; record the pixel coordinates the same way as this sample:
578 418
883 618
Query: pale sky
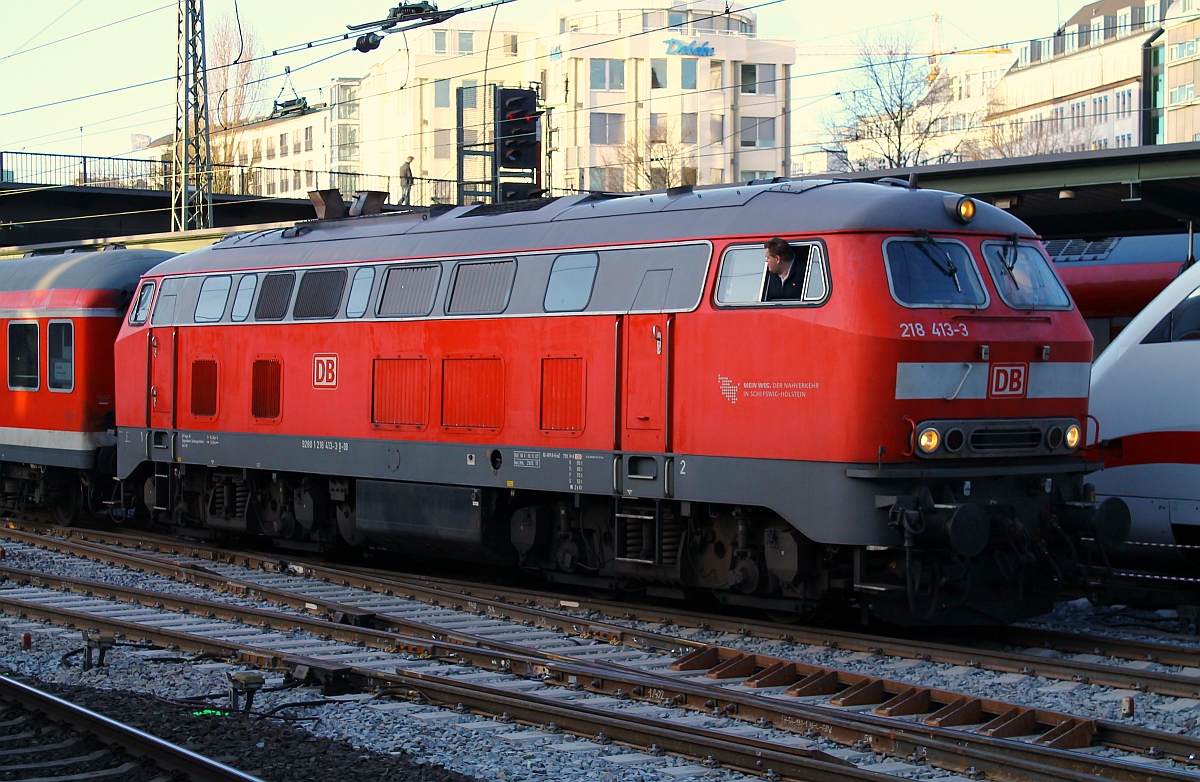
143 50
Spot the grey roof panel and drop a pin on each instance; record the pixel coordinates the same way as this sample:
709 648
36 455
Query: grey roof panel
787 208
106 270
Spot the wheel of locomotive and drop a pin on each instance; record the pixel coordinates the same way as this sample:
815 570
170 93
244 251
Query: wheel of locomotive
68 502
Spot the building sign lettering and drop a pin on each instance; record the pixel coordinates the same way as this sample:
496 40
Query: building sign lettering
693 49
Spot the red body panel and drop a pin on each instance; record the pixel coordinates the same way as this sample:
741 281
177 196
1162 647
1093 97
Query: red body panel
1115 290
800 383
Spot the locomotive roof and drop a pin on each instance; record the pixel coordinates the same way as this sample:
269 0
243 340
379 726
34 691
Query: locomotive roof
109 270
784 208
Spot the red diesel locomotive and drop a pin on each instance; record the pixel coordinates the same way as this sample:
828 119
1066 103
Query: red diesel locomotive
593 387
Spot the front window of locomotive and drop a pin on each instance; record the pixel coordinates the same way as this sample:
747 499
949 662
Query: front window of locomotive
924 272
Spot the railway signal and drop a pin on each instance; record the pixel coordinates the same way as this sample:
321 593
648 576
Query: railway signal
516 129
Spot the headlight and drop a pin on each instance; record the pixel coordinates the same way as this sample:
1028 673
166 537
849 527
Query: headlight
928 440
961 208
1073 435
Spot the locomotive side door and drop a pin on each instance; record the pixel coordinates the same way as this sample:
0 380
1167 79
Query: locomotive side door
160 404
645 404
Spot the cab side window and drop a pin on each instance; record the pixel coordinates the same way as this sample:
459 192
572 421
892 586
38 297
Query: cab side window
140 310
744 279
1181 324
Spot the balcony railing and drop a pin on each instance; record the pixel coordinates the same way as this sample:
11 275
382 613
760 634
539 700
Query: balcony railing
48 170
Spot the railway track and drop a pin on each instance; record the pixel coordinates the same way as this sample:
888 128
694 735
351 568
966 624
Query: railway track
45 737
946 729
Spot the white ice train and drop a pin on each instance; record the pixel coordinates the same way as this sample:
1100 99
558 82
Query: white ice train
1145 395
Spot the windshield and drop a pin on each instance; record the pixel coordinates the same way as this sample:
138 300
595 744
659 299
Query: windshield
1024 278
928 273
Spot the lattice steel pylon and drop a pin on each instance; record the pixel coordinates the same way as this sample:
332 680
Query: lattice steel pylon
191 180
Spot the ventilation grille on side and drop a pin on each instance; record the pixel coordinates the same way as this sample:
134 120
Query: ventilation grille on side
320 294
276 293
266 382
204 387
562 394
401 391
1065 250
993 439
473 392
482 288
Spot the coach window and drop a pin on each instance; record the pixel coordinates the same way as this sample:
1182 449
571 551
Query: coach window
360 292
23 356
924 272
214 293
320 294
141 306
60 356
275 297
408 291
571 280
244 297
1182 324
1023 277
481 288
743 278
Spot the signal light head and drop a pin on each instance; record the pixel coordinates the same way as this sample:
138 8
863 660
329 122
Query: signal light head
929 440
961 208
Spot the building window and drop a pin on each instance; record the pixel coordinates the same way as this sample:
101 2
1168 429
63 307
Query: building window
766 79
296 179
687 74
658 74
510 45
607 128
652 20
270 147
308 139
610 179
283 145
758 132
1151 13
716 129
676 19
243 158
716 176
688 175
443 141
296 142
441 93
658 128
607 74
468 93
466 42
439 41
716 74
687 128
749 84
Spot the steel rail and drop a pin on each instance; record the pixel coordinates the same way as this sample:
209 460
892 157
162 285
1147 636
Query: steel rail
544 614
883 734
165 755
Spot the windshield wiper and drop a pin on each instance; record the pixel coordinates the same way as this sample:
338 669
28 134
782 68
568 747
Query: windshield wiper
950 270
1009 265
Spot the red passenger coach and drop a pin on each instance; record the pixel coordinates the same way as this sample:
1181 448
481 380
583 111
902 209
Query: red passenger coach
60 316
594 387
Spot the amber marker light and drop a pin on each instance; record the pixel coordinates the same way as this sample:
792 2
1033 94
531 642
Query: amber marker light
961 208
1073 435
928 440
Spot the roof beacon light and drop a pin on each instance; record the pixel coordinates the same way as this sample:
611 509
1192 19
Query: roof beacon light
961 208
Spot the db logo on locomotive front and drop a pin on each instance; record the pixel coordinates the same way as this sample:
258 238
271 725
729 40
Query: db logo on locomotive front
325 370
1009 380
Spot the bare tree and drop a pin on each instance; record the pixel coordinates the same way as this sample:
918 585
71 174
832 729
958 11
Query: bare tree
1006 136
893 109
652 158
235 90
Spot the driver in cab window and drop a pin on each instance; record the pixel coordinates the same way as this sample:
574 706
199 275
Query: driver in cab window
785 280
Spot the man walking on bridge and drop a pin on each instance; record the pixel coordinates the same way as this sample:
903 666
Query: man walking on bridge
406 181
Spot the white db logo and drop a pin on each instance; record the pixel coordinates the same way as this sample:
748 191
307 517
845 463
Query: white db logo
1009 380
325 370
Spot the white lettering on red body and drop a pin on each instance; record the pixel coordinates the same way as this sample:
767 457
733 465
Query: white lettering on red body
1009 380
325 370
